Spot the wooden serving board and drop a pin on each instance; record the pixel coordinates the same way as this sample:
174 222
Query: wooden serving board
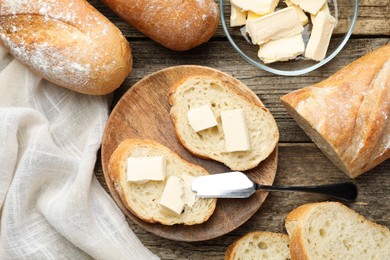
143 112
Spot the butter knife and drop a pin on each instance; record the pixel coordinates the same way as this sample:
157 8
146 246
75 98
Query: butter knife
238 185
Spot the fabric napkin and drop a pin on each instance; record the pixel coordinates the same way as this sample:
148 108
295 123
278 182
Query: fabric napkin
51 204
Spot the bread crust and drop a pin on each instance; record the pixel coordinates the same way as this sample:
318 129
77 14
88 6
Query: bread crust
233 87
67 42
296 219
177 25
346 115
232 249
232 84
120 155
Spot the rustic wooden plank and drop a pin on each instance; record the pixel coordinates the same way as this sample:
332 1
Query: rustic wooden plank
149 57
373 19
302 164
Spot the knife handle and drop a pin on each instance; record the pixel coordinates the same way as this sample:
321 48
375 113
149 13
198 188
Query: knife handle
344 191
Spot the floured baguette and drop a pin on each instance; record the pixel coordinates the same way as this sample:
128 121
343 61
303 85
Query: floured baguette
347 115
176 24
330 230
222 95
143 199
259 245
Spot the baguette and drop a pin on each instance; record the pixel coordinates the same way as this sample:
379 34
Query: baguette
222 94
67 42
176 24
347 115
330 230
259 245
142 199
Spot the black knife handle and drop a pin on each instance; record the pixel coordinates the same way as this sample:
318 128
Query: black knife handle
344 191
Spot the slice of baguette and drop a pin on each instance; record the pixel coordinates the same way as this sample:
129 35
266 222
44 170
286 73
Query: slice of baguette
222 94
330 230
142 199
259 245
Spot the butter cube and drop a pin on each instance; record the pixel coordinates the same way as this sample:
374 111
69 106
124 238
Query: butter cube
282 49
301 15
189 197
171 200
320 36
324 8
311 6
201 118
235 130
256 6
253 16
296 2
237 17
144 169
281 24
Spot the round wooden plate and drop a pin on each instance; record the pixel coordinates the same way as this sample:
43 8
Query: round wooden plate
143 112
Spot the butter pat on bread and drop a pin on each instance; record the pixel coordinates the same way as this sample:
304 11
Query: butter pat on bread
142 199
172 197
235 130
146 169
201 118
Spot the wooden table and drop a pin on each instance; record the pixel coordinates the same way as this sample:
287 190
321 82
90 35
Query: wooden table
300 161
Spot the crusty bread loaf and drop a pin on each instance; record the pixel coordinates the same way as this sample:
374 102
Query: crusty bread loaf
222 95
176 24
330 230
67 42
142 199
347 115
259 245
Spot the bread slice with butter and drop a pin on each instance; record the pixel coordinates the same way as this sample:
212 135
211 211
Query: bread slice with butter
222 95
259 245
143 198
330 230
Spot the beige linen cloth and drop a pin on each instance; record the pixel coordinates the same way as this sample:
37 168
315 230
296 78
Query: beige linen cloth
51 204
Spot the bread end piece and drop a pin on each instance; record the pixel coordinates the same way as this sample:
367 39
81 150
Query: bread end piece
330 230
73 46
142 199
259 245
222 93
346 115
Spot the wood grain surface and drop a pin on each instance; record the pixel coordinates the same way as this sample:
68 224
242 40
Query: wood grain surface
373 18
143 113
300 161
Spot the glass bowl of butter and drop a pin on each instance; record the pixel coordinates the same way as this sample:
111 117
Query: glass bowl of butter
290 37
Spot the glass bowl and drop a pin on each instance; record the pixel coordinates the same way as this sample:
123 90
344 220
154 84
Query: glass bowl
345 12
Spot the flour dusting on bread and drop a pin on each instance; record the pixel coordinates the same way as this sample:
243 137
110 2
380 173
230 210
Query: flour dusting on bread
67 42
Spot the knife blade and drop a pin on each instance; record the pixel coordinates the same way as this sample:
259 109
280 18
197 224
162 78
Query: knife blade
238 185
